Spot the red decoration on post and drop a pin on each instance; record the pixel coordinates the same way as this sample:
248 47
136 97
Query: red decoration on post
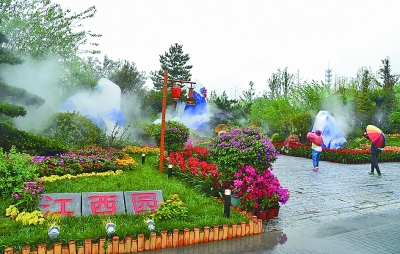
175 93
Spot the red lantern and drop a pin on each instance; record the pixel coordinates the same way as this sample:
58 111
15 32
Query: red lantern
176 92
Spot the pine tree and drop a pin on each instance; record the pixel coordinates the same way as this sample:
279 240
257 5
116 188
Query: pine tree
175 62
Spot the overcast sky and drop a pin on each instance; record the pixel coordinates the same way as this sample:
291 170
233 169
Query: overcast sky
231 43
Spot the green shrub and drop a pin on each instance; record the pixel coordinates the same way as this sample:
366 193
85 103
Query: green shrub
15 169
394 122
277 137
118 138
175 136
73 130
28 143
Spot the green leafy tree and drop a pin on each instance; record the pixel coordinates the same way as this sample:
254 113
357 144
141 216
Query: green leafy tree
122 72
280 83
221 102
389 80
42 29
241 110
175 61
276 113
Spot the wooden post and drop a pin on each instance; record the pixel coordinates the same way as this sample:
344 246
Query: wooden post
225 231
128 243
163 239
186 236
196 235
216 233
163 111
115 244
175 237
206 234
88 246
153 241
102 240
158 242
234 230
57 248
140 242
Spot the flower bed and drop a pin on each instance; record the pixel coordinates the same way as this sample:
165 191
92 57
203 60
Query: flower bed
346 156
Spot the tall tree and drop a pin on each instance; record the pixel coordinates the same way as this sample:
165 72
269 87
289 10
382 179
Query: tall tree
13 99
175 61
41 29
280 83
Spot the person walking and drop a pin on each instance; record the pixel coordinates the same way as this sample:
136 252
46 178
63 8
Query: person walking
374 151
316 145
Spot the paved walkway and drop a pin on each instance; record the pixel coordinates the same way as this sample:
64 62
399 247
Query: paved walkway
339 209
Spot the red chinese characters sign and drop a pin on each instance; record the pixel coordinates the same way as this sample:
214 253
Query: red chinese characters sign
100 202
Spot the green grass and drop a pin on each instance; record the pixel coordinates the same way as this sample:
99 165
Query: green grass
203 211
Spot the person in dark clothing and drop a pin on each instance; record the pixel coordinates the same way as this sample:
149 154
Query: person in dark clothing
374 158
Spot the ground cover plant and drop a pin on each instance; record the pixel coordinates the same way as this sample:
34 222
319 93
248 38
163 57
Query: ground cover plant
201 210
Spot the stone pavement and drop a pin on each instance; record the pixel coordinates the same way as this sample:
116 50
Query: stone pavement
338 209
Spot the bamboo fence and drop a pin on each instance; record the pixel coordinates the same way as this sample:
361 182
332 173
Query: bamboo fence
153 242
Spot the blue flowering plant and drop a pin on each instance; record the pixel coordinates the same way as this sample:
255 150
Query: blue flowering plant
239 147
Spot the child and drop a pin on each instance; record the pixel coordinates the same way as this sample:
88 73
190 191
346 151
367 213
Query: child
316 139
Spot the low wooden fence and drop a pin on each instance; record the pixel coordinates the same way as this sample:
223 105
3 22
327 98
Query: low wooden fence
153 242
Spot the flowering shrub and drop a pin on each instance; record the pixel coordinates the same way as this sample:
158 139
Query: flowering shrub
28 197
172 208
15 169
78 162
195 169
126 161
248 146
140 150
175 136
26 218
258 190
53 178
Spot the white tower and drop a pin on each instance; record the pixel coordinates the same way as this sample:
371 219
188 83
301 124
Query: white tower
328 76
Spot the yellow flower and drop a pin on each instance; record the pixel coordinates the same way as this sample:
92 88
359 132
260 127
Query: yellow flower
175 196
169 201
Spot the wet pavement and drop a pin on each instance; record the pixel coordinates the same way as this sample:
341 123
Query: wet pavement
338 209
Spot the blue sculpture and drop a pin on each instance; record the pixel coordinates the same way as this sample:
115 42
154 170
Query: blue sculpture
196 116
332 136
101 106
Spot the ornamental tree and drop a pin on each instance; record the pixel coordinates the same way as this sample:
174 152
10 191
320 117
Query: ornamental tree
175 136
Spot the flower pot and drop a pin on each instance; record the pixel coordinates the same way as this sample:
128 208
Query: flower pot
261 215
235 201
270 213
276 210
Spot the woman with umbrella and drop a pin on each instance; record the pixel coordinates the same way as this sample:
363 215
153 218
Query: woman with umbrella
378 141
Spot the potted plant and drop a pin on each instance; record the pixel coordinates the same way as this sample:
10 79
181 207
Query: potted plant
258 191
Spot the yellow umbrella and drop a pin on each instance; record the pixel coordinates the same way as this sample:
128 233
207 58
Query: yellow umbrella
221 127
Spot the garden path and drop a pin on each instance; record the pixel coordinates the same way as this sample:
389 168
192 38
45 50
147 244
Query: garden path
338 209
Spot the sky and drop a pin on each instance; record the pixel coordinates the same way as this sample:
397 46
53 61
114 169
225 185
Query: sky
231 43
